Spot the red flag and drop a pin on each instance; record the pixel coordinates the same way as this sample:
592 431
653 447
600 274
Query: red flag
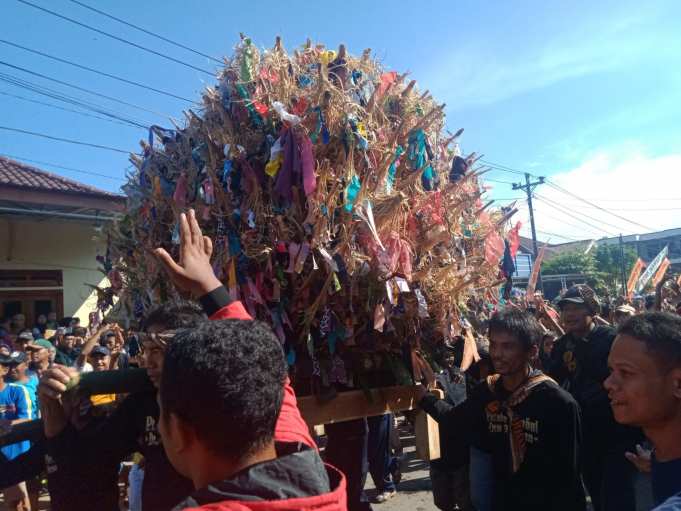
514 239
532 283
494 248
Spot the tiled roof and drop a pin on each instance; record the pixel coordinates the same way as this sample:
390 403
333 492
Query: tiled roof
21 175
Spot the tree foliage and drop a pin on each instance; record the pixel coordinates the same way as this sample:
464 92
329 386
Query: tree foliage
601 266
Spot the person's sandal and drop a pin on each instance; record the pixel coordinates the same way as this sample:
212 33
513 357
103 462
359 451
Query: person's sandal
385 496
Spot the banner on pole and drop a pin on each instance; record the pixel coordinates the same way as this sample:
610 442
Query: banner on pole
659 275
651 269
532 283
633 277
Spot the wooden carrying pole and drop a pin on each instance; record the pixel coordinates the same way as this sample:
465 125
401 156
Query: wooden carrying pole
356 404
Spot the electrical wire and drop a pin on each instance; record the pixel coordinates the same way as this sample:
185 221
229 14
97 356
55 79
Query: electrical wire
81 171
568 192
565 191
97 71
574 215
148 32
65 98
120 39
504 168
557 235
598 233
68 109
67 140
82 89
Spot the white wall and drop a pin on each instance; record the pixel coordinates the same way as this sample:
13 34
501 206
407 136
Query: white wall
56 244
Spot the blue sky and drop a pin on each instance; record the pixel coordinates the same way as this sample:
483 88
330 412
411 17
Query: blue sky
588 93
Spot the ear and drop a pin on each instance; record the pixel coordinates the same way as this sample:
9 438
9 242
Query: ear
181 435
675 376
534 352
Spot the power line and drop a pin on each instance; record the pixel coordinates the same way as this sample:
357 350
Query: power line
82 89
66 109
148 32
574 215
563 190
120 39
557 235
568 192
96 71
67 140
497 181
579 227
498 166
38 162
65 98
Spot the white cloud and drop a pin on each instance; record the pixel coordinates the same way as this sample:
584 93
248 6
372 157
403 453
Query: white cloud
481 72
646 190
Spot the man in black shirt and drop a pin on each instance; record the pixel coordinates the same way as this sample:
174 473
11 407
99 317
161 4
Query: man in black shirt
133 426
645 390
528 424
579 362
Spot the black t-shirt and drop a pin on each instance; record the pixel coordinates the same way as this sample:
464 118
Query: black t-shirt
666 478
132 427
549 475
580 366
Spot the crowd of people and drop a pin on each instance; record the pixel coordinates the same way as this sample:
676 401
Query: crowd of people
549 410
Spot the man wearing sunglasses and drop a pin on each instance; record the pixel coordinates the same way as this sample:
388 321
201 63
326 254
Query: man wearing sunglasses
133 427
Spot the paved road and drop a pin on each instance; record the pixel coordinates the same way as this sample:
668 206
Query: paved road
414 491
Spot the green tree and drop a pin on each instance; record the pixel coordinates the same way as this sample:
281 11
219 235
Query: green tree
600 267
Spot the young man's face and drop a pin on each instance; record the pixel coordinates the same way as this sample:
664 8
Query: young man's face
110 343
3 371
575 317
642 392
508 354
152 354
21 344
41 319
18 371
100 362
68 341
547 345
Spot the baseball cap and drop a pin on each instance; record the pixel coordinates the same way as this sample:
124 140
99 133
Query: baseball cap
25 336
16 358
581 294
39 344
100 350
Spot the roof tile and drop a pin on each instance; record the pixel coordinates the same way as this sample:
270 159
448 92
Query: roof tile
14 173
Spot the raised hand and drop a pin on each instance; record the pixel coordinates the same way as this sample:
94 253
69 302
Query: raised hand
193 272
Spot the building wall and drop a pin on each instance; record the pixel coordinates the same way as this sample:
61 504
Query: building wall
55 244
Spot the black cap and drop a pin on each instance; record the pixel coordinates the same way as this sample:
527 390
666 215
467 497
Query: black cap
17 357
583 295
100 350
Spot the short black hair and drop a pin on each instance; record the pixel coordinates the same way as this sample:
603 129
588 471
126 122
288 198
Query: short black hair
174 314
79 331
519 323
661 333
226 379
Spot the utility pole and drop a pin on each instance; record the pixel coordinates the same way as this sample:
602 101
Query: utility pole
622 270
528 188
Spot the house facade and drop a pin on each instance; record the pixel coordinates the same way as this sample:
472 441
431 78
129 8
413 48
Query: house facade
50 237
